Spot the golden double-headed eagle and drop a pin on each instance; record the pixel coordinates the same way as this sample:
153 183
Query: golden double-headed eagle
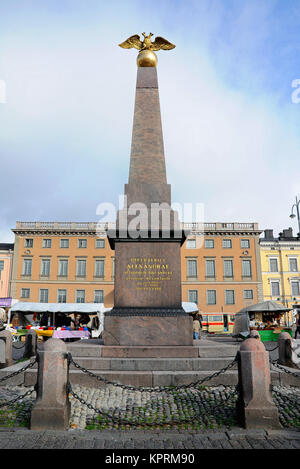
147 44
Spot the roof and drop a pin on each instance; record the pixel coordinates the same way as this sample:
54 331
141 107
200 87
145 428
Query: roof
6 246
265 306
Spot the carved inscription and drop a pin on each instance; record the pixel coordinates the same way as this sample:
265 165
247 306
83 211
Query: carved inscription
148 273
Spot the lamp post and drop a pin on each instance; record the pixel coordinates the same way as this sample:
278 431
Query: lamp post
292 215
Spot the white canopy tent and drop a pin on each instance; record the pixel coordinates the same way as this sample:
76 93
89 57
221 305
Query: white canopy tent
27 308
24 308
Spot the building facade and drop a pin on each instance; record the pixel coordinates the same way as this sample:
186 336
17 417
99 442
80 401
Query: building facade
280 262
73 262
6 260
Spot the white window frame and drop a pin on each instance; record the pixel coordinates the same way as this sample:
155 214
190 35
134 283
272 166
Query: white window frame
59 290
273 259
63 265
24 271
95 294
44 272
40 295
215 297
76 296
23 290
193 270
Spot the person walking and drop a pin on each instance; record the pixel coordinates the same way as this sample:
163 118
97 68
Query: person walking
297 326
196 328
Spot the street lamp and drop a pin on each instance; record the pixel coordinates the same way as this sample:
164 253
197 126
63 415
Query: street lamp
292 215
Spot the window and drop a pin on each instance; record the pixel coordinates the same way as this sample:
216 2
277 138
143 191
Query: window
229 297
45 267
210 269
47 243
211 297
61 296
228 268
245 243
246 268
99 296
99 268
295 288
82 243
27 264
209 243
1 267
193 296
80 296
28 243
81 268
248 294
64 243
293 265
275 289
191 244
227 243
273 265
44 295
100 243
192 267
25 292
63 267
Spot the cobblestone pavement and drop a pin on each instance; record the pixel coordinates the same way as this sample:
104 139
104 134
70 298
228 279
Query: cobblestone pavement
149 440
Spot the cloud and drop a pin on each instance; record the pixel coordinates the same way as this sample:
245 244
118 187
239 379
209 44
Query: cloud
230 129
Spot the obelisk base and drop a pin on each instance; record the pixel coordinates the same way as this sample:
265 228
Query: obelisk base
148 330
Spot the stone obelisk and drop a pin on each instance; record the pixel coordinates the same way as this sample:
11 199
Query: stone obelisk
147 296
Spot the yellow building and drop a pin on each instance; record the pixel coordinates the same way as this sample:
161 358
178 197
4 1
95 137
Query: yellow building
280 264
73 262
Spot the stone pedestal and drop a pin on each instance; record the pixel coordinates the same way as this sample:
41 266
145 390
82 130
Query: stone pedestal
52 408
148 330
255 406
6 349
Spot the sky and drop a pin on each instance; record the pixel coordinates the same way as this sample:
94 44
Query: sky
230 114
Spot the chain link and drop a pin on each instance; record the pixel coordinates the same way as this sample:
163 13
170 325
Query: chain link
275 364
151 389
8 403
15 373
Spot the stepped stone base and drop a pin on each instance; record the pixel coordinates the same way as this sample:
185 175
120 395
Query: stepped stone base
149 352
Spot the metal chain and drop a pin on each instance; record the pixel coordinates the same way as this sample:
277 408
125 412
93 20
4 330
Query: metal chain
272 350
15 373
27 393
274 363
121 421
151 389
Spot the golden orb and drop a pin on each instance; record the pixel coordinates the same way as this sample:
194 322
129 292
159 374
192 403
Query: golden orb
146 58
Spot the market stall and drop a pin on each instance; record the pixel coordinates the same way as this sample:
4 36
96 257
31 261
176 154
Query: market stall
268 318
60 320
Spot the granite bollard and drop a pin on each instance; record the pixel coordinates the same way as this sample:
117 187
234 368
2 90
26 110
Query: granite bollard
52 408
254 335
255 407
30 344
7 359
285 349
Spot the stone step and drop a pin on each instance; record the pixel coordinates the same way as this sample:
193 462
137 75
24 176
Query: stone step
160 378
149 352
151 364
78 349
215 351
